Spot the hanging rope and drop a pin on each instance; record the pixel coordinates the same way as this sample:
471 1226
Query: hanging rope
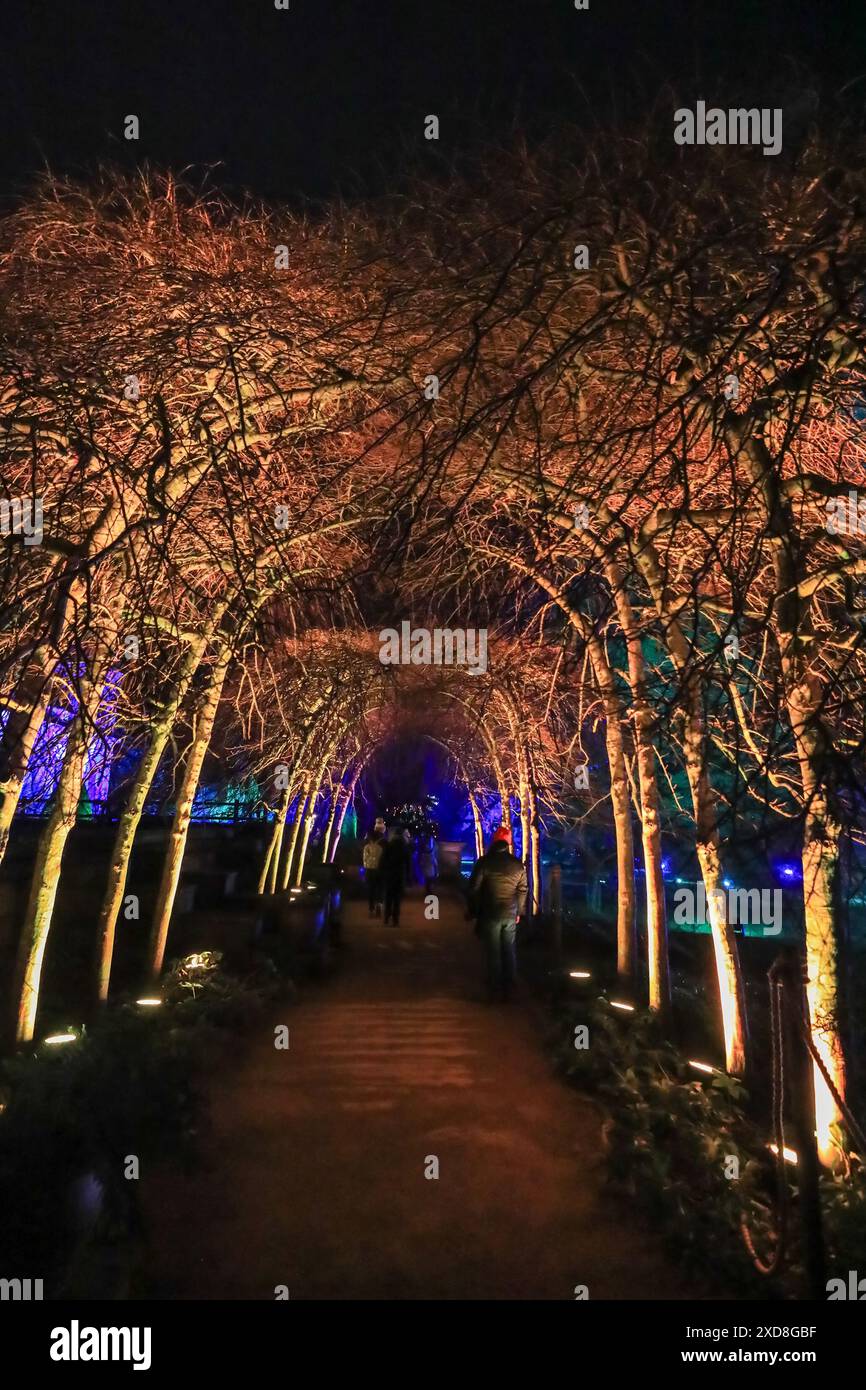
771 1265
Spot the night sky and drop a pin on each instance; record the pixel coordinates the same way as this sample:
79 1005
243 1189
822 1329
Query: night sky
331 94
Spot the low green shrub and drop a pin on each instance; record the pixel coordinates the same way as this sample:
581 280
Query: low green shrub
843 1200
671 1137
74 1114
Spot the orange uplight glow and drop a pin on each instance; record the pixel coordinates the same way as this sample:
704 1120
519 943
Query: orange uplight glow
788 1154
826 1111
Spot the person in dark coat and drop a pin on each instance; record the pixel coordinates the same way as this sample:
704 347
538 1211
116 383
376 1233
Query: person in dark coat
395 867
497 897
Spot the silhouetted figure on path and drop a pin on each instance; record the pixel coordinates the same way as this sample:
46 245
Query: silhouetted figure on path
497 896
374 848
395 866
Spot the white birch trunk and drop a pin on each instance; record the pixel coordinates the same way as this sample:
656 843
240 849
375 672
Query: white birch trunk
170 878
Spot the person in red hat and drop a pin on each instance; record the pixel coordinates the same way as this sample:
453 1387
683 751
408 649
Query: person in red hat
497 898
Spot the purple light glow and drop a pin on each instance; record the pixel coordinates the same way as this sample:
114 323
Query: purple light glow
46 762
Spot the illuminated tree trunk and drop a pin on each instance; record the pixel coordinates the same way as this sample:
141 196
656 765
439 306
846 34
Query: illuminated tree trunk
20 733
728 971
524 823
729 974
276 846
620 800
496 762
476 821
161 727
300 812
309 822
29 702
801 662
523 795
644 726
620 796
527 810
651 837
271 866
49 856
326 839
727 960
196 754
347 798
269 856
310 815
822 834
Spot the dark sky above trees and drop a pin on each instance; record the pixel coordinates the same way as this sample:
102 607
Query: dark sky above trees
331 93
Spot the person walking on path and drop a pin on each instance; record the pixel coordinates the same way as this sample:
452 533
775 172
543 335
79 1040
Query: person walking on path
395 862
497 897
373 851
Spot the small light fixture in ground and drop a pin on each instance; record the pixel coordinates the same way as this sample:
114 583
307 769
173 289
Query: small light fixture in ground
57 1039
788 1154
579 974
703 1066
311 885
148 1003
295 891
615 1004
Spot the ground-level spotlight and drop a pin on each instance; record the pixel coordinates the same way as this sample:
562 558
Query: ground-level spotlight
58 1039
579 975
703 1066
148 1003
617 1004
295 891
788 1154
